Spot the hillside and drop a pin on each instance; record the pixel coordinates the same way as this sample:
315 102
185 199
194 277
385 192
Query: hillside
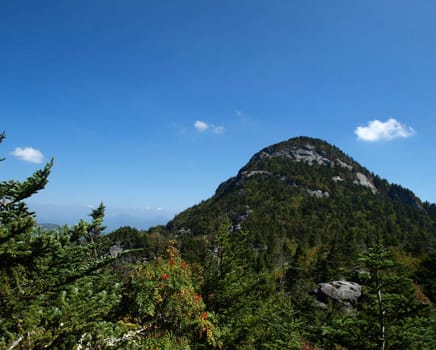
311 194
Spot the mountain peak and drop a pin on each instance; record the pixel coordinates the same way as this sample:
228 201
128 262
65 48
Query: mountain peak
312 192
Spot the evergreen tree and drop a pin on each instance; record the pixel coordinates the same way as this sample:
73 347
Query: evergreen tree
19 252
53 290
252 314
389 316
403 322
426 275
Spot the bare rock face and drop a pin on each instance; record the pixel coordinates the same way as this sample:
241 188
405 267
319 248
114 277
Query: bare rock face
247 174
344 165
364 181
318 193
306 153
343 291
337 178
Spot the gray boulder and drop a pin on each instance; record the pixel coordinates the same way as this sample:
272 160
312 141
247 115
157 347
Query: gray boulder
343 291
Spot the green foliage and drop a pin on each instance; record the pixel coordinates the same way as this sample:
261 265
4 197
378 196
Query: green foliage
389 316
52 287
61 289
252 315
57 294
162 297
426 275
142 244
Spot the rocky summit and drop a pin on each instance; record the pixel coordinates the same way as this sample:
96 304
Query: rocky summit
311 154
308 194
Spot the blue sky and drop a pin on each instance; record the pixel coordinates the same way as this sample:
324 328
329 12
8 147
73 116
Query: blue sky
149 105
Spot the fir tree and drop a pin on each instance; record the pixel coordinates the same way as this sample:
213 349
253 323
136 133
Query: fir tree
389 316
53 291
252 314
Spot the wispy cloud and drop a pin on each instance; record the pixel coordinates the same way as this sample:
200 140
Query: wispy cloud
28 154
382 131
240 114
202 126
217 129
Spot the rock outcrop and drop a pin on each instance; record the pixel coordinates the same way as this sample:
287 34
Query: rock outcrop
342 291
343 164
364 181
306 153
318 193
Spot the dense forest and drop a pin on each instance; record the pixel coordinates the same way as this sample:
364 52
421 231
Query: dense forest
303 249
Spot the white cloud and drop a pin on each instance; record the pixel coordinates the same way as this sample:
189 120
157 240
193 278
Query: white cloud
201 126
28 154
388 130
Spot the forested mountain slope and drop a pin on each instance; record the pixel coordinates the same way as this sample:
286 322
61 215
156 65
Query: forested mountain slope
309 193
